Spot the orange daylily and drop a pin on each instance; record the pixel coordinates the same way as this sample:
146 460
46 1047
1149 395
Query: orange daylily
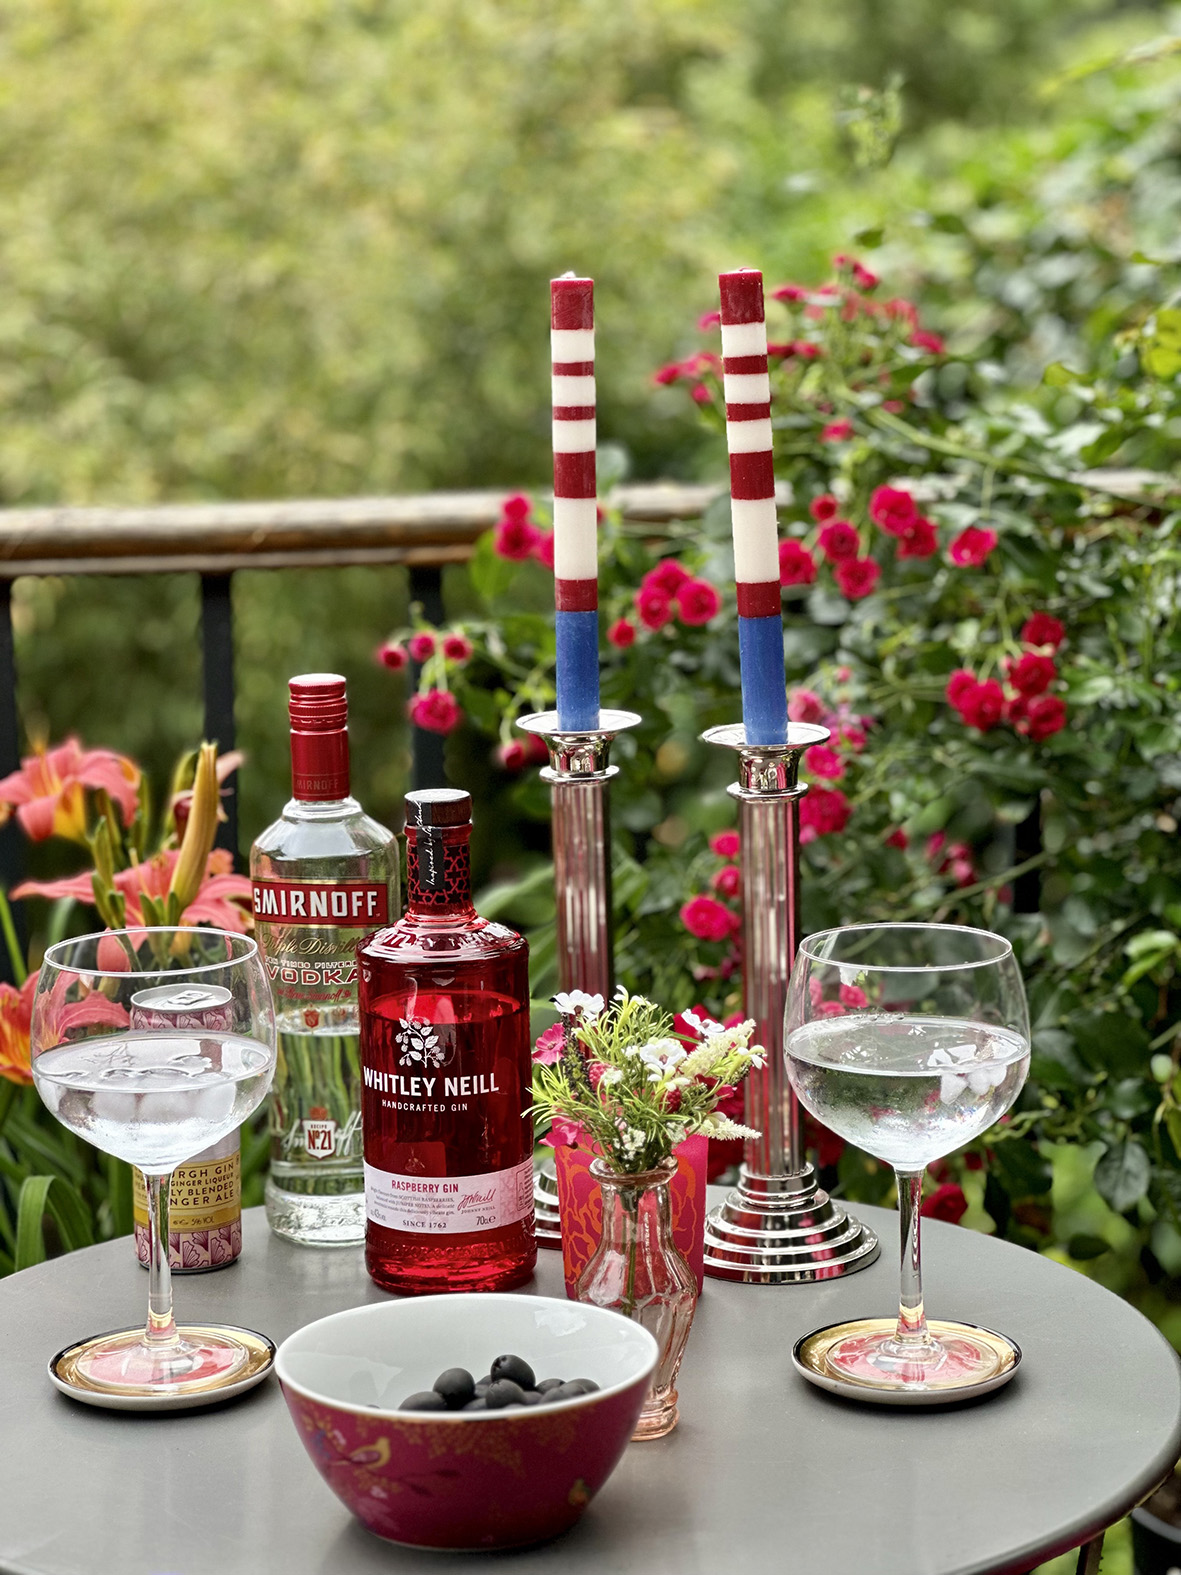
222 900
47 792
16 1012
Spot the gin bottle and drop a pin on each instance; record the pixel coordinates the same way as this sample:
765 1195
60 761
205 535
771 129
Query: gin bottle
445 1053
323 875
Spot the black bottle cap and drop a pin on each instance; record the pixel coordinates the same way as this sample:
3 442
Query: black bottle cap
438 807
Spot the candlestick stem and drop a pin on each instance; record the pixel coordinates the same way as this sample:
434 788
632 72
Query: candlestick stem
777 1226
579 774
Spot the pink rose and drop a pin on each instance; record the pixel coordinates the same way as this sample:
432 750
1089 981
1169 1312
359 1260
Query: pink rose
392 655
857 577
893 509
836 431
839 541
515 539
803 705
972 546
824 507
456 648
697 602
654 607
796 564
725 844
824 762
622 633
436 711
706 919
421 646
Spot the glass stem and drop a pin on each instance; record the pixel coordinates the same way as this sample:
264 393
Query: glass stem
912 1320
161 1329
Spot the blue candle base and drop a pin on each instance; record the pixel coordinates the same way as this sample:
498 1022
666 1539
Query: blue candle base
764 688
578 671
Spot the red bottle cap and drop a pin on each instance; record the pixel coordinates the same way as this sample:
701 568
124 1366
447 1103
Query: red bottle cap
319 736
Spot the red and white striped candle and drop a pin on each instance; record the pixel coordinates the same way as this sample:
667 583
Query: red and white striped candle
752 506
576 562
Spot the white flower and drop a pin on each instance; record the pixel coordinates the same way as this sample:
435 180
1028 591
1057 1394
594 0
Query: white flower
610 1076
718 1126
577 1003
701 1026
661 1057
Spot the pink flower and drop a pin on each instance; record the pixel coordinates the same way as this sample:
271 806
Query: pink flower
854 737
980 704
893 509
1042 629
839 541
223 898
392 655
697 602
923 339
725 844
959 685
898 839
515 539
544 550
668 576
48 790
945 1203
805 350
516 507
853 995
902 311
856 577
1046 715
513 755
457 648
824 762
804 705
708 320
972 546
727 880
1032 674
622 633
564 1133
548 1049
830 1009
824 507
436 711
863 278
796 564
706 919
823 811
919 540
654 607
421 646
664 375
836 431
789 292
700 394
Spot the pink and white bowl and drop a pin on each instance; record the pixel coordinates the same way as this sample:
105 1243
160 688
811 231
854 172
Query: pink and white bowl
464 1480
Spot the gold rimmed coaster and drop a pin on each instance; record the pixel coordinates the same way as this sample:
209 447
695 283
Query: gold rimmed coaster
64 1374
812 1357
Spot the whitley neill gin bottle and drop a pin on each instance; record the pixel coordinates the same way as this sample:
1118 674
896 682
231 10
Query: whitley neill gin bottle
445 1053
323 876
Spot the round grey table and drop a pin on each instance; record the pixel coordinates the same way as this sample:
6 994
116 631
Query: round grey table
764 1472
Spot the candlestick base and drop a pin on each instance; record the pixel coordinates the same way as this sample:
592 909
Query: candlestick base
781 1230
547 1225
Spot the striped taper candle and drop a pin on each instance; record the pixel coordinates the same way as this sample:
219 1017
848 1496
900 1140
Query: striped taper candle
752 506
576 562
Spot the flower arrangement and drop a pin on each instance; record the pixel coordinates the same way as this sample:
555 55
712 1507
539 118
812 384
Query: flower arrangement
634 1085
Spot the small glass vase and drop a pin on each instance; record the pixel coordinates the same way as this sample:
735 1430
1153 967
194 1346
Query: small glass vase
639 1271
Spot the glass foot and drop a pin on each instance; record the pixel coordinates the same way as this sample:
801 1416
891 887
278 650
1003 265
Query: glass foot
658 1417
203 1359
866 1358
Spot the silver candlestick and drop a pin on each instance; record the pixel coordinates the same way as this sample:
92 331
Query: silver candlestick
777 1227
579 774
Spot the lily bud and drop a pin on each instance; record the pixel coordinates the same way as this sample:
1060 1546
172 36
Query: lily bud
104 859
199 832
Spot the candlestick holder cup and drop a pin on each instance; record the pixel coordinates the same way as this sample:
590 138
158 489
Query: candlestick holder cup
579 774
778 1226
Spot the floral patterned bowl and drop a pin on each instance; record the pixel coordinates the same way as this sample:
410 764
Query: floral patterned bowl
464 1480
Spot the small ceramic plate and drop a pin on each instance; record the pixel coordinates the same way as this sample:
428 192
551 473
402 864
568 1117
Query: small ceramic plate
63 1375
810 1357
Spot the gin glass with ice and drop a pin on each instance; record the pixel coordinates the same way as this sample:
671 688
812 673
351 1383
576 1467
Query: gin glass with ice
153 1044
909 1040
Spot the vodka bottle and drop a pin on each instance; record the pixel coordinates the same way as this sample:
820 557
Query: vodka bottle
324 875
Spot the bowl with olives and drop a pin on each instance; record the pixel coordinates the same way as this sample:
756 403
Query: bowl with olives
467 1422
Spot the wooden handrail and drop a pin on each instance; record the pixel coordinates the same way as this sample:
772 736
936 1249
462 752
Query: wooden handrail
212 538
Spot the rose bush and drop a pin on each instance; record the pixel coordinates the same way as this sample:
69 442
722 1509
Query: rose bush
990 634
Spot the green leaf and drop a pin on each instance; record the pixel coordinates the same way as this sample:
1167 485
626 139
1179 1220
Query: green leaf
1082 1247
489 574
30 1218
1122 1175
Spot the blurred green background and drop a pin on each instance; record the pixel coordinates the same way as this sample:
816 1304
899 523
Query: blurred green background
301 248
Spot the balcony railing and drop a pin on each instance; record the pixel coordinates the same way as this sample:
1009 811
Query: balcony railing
425 532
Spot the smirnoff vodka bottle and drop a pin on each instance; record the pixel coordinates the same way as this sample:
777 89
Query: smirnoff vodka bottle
445 1052
324 875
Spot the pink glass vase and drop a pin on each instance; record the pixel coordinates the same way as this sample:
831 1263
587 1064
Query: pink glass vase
638 1270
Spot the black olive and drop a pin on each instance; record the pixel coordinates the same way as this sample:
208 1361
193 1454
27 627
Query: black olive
457 1386
475 1405
587 1385
571 1390
516 1370
547 1384
425 1400
532 1397
504 1392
